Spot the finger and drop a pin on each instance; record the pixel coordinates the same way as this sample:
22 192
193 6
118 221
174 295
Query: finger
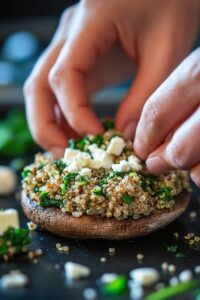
182 151
40 100
171 103
195 174
154 65
68 77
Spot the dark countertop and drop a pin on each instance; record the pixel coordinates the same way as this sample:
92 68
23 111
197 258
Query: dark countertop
46 282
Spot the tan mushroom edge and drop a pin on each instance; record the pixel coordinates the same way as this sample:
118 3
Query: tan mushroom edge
89 227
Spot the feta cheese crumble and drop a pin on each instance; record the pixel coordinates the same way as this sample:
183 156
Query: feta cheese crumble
116 146
145 276
8 218
13 280
123 166
135 163
74 271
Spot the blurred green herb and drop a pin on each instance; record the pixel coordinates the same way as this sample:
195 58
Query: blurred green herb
16 238
116 287
15 139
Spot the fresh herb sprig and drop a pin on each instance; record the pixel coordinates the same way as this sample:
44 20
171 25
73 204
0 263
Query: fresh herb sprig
14 241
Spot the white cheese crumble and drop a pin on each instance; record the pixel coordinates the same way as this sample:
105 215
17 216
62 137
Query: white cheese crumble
8 180
101 159
145 276
13 280
8 218
135 163
76 160
123 166
86 172
75 271
116 146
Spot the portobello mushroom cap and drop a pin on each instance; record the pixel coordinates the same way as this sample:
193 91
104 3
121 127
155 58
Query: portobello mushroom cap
89 227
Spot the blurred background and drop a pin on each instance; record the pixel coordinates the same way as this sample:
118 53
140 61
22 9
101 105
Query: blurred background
25 30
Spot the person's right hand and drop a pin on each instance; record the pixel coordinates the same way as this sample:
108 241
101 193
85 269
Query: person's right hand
168 133
99 43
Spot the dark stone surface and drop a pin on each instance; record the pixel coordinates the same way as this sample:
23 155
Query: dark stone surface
45 282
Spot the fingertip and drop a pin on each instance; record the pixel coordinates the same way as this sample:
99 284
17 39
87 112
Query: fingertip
57 151
84 121
156 165
140 148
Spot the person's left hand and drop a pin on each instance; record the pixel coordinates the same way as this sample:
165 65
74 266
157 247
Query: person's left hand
168 133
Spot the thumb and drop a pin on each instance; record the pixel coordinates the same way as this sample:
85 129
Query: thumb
153 67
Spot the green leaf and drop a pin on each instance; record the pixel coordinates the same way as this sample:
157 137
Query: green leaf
60 165
128 199
98 191
25 173
17 237
165 193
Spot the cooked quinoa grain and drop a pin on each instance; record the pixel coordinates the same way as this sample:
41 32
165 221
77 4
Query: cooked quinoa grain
88 180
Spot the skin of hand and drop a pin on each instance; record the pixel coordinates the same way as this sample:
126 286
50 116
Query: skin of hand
98 43
172 115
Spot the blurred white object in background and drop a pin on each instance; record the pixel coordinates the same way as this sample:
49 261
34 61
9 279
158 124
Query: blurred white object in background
20 46
8 180
8 218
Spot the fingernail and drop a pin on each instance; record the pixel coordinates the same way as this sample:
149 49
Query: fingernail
129 130
57 152
156 165
141 149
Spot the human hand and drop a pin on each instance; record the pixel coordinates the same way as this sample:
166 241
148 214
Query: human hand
99 43
168 133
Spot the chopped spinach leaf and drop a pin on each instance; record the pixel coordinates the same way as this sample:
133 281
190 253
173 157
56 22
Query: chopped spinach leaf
14 237
25 173
164 193
98 191
60 165
128 199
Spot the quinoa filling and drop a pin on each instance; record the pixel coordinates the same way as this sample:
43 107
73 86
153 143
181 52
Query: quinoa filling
100 175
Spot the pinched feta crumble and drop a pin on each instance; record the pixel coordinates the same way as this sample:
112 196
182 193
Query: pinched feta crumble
116 146
134 163
123 166
76 271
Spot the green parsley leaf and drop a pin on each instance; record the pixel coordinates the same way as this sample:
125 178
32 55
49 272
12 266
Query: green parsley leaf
60 165
98 191
165 193
14 237
128 199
